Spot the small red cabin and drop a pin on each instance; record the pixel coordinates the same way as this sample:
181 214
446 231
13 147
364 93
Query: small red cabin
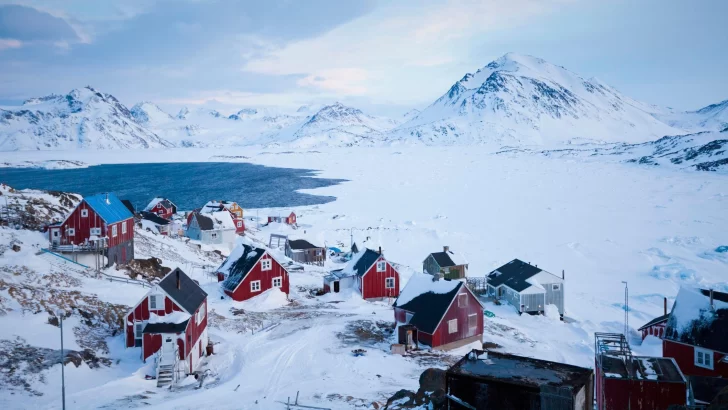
98 222
250 271
696 335
289 220
171 317
162 207
656 326
445 312
372 275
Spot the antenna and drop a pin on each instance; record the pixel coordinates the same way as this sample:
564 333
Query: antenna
626 310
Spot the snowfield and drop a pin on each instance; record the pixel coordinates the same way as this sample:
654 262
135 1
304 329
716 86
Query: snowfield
600 220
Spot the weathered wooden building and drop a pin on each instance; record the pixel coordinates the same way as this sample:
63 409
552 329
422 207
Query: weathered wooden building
303 251
447 264
696 334
162 207
526 287
486 380
99 224
170 321
624 381
250 271
444 312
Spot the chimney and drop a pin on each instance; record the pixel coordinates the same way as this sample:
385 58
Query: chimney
563 274
664 302
380 250
712 307
445 248
107 199
178 284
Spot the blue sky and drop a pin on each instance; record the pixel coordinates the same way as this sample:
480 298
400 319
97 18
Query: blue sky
382 56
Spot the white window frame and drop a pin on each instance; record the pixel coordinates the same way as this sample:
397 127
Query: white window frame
95 231
84 213
123 227
156 299
463 297
452 326
475 325
201 313
387 282
278 279
240 224
138 328
266 264
255 286
381 266
556 286
70 232
703 358
114 230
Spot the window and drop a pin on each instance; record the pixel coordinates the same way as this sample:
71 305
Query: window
473 320
161 212
555 287
96 231
114 230
138 328
318 252
381 266
389 283
84 213
213 235
452 326
704 358
70 231
277 282
201 313
462 300
266 264
155 302
123 227
255 286
240 224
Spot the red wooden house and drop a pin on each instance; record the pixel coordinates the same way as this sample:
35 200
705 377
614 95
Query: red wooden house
99 223
445 312
696 335
162 207
656 326
236 211
289 220
170 321
250 271
370 273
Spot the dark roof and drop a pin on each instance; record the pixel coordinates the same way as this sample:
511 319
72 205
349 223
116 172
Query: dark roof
166 203
152 217
205 223
513 274
189 295
364 262
522 371
165 327
301 244
108 207
238 264
657 369
655 321
127 203
706 388
354 248
428 308
443 259
700 326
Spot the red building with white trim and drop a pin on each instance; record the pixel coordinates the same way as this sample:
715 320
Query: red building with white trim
171 322
162 207
445 312
288 220
249 271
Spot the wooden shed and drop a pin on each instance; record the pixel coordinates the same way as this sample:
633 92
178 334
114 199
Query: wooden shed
303 251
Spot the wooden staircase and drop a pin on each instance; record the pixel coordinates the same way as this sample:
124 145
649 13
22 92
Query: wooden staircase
165 375
167 365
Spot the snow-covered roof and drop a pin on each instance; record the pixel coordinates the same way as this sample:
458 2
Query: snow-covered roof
427 300
175 317
361 262
694 321
165 203
449 258
215 206
420 283
238 264
215 220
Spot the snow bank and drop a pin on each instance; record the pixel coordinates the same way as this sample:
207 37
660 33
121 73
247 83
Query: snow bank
421 283
268 300
692 305
552 312
174 317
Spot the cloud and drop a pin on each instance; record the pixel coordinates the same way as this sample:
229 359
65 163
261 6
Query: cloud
344 81
10 43
27 24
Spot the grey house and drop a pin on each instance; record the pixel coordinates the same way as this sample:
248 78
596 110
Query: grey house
446 264
303 251
526 287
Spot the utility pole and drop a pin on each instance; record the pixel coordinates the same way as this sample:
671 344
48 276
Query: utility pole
60 314
626 310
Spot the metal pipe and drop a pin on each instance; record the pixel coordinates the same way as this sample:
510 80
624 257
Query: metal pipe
63 376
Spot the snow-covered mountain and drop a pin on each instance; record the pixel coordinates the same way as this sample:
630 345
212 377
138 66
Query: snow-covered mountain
83 118
523 100
149 114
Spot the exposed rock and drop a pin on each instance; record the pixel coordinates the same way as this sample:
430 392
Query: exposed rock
146 268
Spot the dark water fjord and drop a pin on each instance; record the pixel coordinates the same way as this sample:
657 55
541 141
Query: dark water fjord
188 184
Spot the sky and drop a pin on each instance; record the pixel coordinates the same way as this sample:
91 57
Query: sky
384 57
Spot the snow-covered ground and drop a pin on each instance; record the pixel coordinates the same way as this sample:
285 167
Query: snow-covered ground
599 220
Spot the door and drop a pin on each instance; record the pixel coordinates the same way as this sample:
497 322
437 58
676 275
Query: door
336 286
410 340
55 236
168 345
123 254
